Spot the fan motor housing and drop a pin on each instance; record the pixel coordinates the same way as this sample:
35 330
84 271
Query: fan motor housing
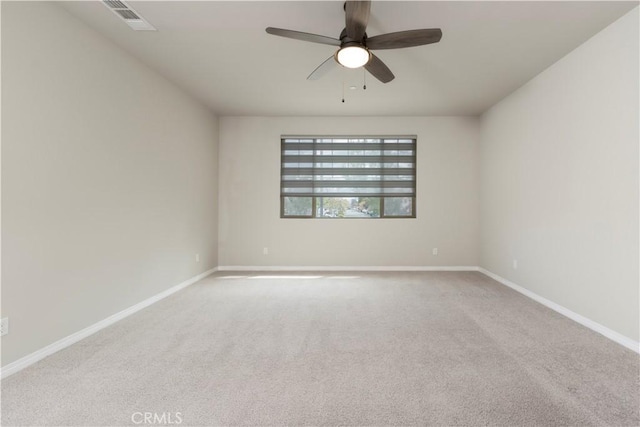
346 41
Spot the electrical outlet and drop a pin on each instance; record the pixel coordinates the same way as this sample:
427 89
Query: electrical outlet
515 264
265 251
4 326
197 257
435 251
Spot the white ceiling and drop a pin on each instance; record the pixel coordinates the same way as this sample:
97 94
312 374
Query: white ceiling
219 52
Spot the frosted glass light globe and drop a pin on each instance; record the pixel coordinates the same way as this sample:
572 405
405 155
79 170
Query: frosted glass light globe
353 56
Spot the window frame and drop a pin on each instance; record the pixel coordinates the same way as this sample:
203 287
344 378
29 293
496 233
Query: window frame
314 198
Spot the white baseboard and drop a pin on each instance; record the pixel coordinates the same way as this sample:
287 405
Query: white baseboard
597 327
32 358
345 268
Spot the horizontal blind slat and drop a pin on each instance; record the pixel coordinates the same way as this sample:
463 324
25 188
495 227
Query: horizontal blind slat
348 184
340 194
376 158
347 171
348 146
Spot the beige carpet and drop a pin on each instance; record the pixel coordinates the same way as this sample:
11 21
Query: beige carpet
335 349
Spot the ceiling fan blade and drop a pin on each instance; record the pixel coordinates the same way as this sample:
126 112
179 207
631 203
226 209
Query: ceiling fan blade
307 37
323 68
408 38
357 18
379 70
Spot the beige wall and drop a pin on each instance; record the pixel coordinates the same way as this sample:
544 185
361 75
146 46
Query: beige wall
109 179
559 162
447 203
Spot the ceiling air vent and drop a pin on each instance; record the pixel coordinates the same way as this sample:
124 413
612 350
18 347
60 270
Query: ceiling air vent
114 4
128 15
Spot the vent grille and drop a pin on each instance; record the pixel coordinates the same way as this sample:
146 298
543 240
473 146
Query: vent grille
115 4
128 15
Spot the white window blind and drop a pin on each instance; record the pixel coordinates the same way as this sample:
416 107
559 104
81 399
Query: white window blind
348 167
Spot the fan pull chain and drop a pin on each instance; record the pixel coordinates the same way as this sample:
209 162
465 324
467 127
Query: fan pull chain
364 79
343 91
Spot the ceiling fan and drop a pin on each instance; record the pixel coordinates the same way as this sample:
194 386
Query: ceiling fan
355 46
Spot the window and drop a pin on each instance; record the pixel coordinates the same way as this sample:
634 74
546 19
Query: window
348 177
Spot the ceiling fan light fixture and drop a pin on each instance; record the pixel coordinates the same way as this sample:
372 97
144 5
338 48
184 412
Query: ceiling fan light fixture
353 56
